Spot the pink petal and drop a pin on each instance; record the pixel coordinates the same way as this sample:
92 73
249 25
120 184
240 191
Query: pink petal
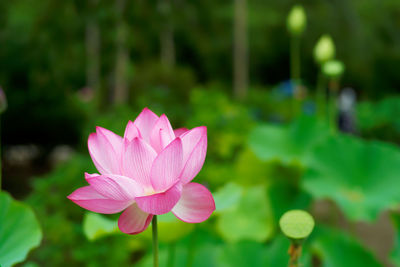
104 148
145 123
161 134
167 166
194 152
162 202
90 199
88 175
114 139
196 204
178 132
133 220
131 131
115 187
137 161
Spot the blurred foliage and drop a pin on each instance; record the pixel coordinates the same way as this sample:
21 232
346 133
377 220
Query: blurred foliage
380 119
363 185
19 232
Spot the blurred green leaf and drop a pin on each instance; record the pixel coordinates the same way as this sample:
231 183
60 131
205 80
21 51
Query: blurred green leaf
19 230
198 250
227 197
96 226
241 254
336 248
170 228
288 144
251 219
284 190
360 176
250 170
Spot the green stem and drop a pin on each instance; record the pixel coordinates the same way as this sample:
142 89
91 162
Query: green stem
294 254
295 68
295 58
155 241
321 96
171 255
0 154
333 91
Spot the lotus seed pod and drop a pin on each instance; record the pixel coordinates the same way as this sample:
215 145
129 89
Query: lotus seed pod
296 20
333 68
3 101
296 224
324 49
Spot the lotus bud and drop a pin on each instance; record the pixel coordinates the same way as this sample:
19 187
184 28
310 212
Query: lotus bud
333 68
324 49
3 101
296 20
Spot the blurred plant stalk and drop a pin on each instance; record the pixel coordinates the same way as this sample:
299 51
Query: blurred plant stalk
324 51
3 107
122 55
92 43
333 70
296 24
167 43
240 50
294 254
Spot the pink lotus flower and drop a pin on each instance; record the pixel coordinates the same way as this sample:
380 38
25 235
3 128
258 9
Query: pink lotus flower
147 172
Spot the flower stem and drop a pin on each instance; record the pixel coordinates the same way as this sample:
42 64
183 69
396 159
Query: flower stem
295 58
294 253
0 155
295 69
333 92
155 241
321 96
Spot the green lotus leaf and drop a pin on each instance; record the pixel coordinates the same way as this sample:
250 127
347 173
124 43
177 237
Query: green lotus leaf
335 248
227 197
360 176
96 226
244 253
251 218
288 144
19 230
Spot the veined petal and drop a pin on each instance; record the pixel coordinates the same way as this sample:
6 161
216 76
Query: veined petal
131 131
145 123
178 132
161 134
137 161
103 147
195 205
90 199
162 202
116 187
167 166
133 220
194 144
114 139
